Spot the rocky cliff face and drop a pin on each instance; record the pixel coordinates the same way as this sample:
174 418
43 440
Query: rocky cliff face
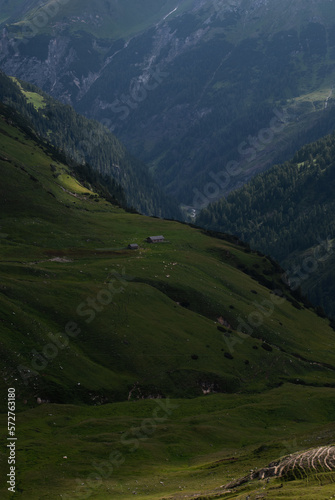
66 65
54 71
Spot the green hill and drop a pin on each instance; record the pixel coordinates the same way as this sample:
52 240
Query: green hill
166 371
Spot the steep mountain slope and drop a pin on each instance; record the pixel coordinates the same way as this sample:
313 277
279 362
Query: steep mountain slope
103 337
288 212
88 142
188 85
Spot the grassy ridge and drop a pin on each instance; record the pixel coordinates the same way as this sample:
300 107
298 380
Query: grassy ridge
87 143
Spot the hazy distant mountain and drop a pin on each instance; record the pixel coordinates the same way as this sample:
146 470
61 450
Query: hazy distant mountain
187 85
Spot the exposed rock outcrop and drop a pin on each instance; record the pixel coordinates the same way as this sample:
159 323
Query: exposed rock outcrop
294 466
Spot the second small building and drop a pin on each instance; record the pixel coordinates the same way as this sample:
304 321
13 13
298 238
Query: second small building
155 239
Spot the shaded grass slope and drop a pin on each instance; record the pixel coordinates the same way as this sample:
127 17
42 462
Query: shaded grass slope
165 371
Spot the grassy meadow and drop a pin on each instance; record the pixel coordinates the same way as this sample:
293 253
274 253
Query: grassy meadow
162 373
